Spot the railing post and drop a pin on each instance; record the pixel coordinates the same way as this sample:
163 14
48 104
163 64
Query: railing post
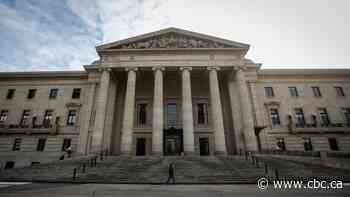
266 168
74 173
276 174
84 167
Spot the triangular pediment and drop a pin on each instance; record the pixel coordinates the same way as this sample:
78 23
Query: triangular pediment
172 38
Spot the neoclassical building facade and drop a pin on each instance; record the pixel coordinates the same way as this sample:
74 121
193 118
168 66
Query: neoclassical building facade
172 92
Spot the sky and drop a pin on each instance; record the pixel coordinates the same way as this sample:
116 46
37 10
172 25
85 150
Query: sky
40 35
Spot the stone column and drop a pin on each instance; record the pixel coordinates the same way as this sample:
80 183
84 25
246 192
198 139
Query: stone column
247 112
129 108
85 120
157 133
217 118
187 113
101 105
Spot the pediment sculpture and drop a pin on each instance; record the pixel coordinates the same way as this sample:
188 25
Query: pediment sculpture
173 41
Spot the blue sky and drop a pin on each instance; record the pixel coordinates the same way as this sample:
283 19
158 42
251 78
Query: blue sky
62 34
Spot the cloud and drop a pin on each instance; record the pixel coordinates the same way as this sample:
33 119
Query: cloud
62 35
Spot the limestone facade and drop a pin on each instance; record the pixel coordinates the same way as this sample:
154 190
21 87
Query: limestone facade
173 92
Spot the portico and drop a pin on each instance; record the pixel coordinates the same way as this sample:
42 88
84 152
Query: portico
169 96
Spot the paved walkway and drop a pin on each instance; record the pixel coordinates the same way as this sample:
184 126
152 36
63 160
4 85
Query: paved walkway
127 190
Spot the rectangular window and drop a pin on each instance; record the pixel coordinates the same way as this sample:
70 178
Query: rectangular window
47 122
324 117
171 114
9 165
293 91
76 93
275 119
17 144
307 144
269 92
280 144
299 117
53 93
66 143
346 112
316 91
31 93
72 116
10 93
3 115
142 114
340 91
25 117
41 144
333 144
202 113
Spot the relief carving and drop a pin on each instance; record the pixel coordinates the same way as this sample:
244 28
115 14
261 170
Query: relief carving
173 41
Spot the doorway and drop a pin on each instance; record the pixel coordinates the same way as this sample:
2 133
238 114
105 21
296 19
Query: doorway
204 146
141 147
173 144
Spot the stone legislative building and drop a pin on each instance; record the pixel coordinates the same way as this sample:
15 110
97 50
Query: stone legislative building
171 92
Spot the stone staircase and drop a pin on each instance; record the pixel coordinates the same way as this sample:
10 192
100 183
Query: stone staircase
188 169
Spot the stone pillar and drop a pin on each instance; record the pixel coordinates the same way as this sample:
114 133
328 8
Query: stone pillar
129 108
187 113
157 133
101 105
247 112
85 120
217 118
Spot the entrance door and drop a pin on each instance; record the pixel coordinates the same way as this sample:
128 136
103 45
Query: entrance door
173 144
141 146
204 146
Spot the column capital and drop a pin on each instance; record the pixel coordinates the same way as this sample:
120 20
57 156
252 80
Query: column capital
240 68
185 68
131 69
161 68
216 68
104 69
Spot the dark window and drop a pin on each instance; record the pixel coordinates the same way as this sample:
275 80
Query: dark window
34 163
202 113
9 165
280 144
293 91
340 91
25 117
324 117
347 116
41 144
316 91
333 144
299 116
142 114
171 114
269 92
53 93
275 119
76 93
31 93
17 144
3 115
72 117
48 118
10 93
66 143
308 144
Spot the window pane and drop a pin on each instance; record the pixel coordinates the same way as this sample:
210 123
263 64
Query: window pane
307 144
316 91
53 93
339 91
202 113
71 117
31 93
293 91
142 114
333 145
76 93
347 116
324 117
10 93
274 117
269 92
171 114
299 116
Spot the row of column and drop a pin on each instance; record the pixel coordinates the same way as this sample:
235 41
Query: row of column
158 119
187 112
